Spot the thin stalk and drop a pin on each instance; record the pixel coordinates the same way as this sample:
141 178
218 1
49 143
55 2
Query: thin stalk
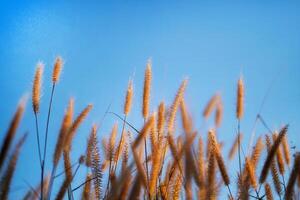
82 184
70 186
39 150
108 180
51 182
38 138
46 138
283 182
229 191
124 120
146 156
119 145
239 146
257 193
264 123
63 172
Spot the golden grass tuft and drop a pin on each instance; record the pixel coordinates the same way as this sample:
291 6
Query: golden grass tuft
147 88
176 166
174 107
10 170
293 176
274 171
11 132
36 89
219 113
145 130
75 126
268 192
58 64
161 118
234 146
128 98
219 158
286 150
86 192
66 123
240 99
271 154
251 172
279 156
210 106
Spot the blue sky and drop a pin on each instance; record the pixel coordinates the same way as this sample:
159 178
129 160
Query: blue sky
103 44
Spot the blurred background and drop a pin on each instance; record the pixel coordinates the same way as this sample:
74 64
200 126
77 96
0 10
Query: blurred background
104 44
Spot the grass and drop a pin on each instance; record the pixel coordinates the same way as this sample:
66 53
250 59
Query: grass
161 162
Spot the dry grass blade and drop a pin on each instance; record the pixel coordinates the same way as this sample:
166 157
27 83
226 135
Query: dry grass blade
10 134
219 113
271 154
9 172
62 191
75 126
140 168
210 106
66 123
145 130
234 146
136 188
67 165
293 177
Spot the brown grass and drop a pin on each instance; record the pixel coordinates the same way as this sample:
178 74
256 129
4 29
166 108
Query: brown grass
147 88
176 166
128 98
240 99
58 64
271 154
36 89
292 180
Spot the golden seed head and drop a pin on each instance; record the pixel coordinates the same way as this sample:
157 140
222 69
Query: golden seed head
210 106
175 105
147 88
161 118
58 64
240 99
128 98
36 90
219 113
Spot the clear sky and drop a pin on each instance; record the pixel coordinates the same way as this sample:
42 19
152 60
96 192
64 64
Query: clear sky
103 44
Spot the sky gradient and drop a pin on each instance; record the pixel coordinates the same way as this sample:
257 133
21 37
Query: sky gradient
104 44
